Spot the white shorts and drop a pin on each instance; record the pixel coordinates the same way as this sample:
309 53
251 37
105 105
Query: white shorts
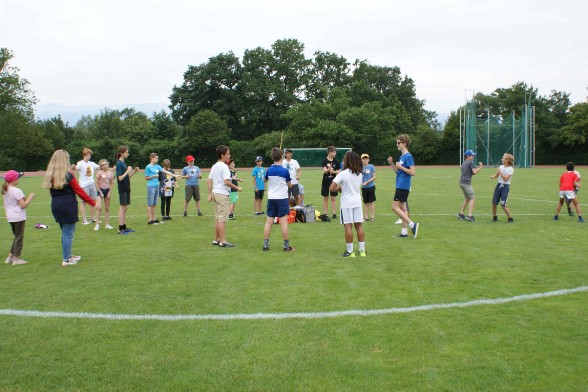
351 215
567 194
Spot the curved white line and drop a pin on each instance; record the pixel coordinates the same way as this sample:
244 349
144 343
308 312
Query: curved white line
277 316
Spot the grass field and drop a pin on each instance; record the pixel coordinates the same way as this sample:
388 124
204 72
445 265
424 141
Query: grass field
171 269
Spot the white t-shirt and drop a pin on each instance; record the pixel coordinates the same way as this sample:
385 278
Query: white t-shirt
350 188
506 170
14 212
292 167
86 170
218 174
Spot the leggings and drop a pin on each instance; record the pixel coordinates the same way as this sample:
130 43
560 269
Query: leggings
165 205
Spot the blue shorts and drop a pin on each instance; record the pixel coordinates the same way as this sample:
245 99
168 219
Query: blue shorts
152 194
500 194
277 208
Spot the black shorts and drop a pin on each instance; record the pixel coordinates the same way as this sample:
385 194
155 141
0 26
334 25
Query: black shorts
259 194
325 189
124 198
401 195
369 194
294 191
105 192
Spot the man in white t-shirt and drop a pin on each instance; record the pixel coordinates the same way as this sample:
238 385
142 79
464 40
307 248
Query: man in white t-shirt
295 171
219 187
86 169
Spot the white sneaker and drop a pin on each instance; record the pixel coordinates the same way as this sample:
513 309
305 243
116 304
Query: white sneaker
85 222
97 227
108 227
75 258
398 222
19 261
8 260
67 262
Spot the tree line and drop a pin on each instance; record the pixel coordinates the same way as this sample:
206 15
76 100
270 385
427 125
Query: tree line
277 95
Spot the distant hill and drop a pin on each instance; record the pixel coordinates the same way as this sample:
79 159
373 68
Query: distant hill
72 114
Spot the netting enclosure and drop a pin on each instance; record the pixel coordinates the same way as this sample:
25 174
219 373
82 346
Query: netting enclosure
313 157
491 136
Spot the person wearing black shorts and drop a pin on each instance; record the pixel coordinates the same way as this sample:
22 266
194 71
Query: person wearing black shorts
331 167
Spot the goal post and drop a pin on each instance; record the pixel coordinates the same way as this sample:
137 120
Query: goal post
313 157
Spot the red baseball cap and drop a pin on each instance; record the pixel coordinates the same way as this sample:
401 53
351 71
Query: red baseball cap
189 158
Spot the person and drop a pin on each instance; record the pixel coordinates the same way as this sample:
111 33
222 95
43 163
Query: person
504 174
295 172
219 185
234 196
258 174
64 187
404 170
167 185
468 169
576 189
86 169
349 182
192 189
278 183
152 171
567 183
368 187
331 167
301 194
104 183
15 204
123 179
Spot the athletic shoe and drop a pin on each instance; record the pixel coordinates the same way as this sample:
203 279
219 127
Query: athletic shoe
398 222
580 219
556 217
108 227
169 218
570 212
200 213
75 258
495 219
402 235
85 222
257 213
289 249
153 222
93 220
510 220
185 214
362 253
156 222
19 262
67 262
334 216
226 245
261 213
460 216
123 232
348 254
372 219
366 219
470 218
231 217
265 248
129 230
325 218
97 227
415 230
8 260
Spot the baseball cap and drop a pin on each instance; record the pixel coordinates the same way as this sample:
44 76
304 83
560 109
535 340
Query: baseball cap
364 156
258 158
189 158
469 152
12 175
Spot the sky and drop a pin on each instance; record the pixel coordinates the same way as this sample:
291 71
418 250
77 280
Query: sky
107 53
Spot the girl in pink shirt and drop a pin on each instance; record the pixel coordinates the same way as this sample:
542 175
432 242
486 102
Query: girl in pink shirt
14 205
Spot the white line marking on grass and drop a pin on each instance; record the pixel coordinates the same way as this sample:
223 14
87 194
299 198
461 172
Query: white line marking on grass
301 315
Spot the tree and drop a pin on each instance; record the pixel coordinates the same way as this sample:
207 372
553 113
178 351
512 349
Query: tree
575 132
14 91
205 131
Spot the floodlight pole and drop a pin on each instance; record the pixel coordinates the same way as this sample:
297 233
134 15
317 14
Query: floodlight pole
488 140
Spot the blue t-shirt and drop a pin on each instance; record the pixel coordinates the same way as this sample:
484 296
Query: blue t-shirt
192 172
151 170
403 179
277 177
368 174
259 174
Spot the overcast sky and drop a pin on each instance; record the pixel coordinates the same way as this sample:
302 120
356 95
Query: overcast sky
106 52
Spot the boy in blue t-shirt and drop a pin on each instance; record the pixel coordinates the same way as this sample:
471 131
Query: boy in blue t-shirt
404 170
192 189
368 188
152 171
258 174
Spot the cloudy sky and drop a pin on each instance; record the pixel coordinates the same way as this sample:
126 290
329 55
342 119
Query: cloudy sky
106 52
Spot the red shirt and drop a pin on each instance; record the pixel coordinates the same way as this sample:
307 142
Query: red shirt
567 180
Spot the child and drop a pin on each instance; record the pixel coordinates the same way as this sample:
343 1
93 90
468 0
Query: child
234 197
258 174
14 206
465 183
64 187
123 179
219 185
504 173
301 194
368 187
192 190
104 184
576 189
567 183
279 181
349 182
167 184
331 167
404 170
295 171
85 169
152 171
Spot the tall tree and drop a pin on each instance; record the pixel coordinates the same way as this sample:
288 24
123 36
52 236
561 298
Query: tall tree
15 94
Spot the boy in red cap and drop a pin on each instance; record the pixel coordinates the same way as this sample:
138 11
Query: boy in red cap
192 174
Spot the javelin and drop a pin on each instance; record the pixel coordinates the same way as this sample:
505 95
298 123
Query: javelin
281 137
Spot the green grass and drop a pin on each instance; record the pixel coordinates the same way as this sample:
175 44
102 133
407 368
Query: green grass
170 269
